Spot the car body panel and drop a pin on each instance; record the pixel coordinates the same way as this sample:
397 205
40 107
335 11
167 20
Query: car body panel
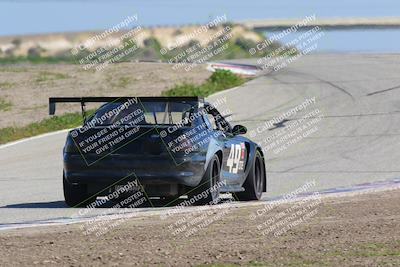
150 154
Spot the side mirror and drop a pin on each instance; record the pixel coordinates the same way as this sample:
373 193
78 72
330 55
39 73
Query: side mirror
239 129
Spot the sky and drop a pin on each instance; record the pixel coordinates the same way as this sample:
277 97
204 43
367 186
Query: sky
19 17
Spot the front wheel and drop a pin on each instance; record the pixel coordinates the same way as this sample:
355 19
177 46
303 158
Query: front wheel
254 184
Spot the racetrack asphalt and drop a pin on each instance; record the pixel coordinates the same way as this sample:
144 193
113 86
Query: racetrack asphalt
356 140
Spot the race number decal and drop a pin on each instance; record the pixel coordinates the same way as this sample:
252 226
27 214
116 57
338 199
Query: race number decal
236 157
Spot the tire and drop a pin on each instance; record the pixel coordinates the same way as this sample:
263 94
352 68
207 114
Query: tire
209 184
254 184
76 195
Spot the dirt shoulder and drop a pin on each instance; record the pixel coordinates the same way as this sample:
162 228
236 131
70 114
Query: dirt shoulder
361 230
25 89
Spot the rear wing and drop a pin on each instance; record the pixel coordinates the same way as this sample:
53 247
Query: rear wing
83 100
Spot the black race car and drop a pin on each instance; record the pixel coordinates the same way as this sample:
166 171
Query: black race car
172 146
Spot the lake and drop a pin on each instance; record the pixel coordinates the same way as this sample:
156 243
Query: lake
44 16
360 41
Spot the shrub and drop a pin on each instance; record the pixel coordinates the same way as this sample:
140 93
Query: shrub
218 81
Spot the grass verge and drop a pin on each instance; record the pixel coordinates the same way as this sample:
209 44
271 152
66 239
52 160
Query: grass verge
69 120
5 105
6 85
218 81
50 76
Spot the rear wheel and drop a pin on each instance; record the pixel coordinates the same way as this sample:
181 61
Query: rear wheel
76 195
208 190
254 183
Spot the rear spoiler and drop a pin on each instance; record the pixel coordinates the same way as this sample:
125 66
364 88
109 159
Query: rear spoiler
83 100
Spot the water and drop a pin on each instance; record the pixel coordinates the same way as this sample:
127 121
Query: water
353 41
44 16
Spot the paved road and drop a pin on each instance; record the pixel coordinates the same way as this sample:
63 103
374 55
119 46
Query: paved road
356 140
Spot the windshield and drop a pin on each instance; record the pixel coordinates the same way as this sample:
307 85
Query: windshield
144 113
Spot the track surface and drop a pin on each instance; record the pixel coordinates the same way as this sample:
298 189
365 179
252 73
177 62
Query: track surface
357 141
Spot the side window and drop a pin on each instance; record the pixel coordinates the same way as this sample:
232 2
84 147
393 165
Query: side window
218 122
212 122
223 124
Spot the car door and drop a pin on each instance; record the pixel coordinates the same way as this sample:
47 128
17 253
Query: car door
234 150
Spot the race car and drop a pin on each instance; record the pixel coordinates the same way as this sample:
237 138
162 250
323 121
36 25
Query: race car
169 146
